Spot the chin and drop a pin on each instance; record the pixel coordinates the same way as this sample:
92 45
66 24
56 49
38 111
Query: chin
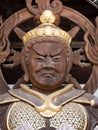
47 84
47 81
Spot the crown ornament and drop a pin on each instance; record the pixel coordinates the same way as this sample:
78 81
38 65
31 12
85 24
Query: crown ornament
47 28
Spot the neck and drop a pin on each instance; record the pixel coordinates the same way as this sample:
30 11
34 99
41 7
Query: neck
66 89
45 91
51 91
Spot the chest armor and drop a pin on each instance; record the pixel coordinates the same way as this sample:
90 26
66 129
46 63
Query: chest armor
71 113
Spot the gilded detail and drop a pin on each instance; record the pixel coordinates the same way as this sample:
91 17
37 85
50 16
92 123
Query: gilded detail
47 17
21 112
72 114
47 28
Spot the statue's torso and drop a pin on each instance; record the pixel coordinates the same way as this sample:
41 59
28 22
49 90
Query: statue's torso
71 113
48 112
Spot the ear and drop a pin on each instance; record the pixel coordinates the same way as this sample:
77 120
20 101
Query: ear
24 67
26 77
20 33
74 31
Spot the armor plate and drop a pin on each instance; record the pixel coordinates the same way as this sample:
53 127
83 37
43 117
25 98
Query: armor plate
71 113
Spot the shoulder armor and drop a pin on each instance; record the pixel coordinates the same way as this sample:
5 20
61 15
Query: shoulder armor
87 98
7 98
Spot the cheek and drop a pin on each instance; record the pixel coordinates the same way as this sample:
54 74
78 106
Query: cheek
61 67
35 65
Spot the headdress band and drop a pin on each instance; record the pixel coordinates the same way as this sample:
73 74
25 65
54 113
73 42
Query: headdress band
47 28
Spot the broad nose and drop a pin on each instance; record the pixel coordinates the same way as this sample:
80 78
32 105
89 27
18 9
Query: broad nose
49 63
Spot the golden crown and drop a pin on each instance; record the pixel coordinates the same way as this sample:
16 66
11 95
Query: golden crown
47 28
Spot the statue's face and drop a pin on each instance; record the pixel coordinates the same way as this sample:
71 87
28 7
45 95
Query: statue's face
46 65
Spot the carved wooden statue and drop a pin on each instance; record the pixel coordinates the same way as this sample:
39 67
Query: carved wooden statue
47 97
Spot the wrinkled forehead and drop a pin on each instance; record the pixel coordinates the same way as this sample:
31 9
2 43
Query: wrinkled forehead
48 48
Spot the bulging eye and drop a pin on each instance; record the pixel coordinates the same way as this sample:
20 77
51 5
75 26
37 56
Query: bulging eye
56 59
40 58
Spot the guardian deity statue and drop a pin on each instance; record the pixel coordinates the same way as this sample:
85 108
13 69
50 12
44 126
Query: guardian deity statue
50 98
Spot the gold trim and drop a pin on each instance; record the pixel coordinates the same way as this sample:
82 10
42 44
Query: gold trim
23 99
22 112
47 17
73 114
71 99
8 114
92 103
47 28
47 100
49 31
48 113
48 106
66 89
82 101
85 113
9 100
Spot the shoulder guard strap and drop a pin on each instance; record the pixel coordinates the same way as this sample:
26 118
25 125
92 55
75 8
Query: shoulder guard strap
87 98
7 98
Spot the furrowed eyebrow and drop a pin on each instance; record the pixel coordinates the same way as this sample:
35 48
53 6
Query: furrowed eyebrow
52 55
38 52
56 54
